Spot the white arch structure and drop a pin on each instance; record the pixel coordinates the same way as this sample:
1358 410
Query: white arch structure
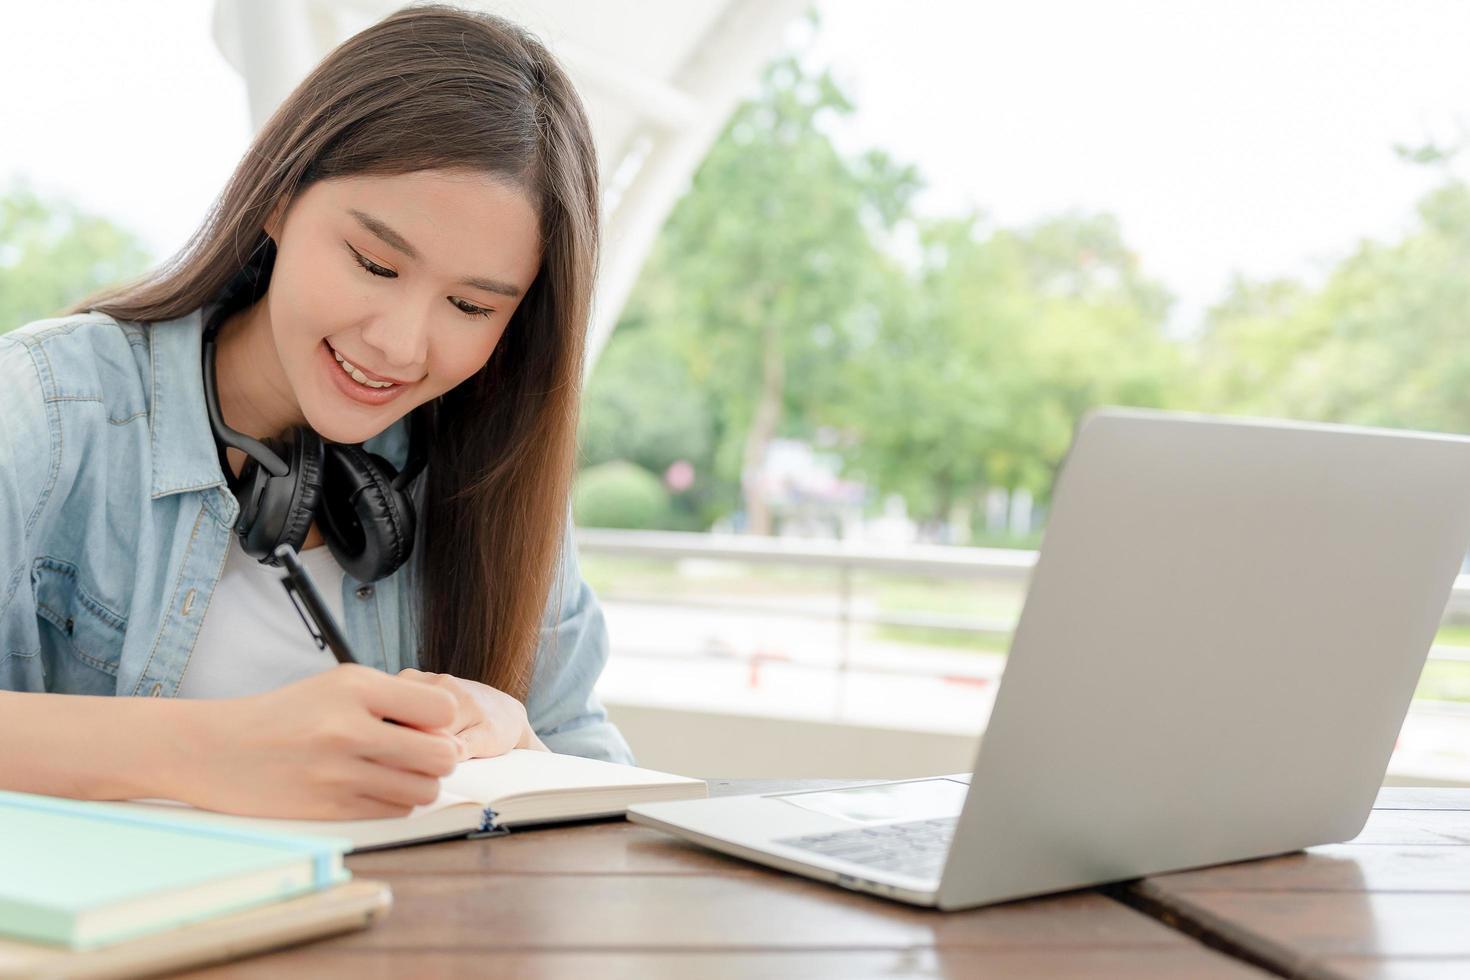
659 79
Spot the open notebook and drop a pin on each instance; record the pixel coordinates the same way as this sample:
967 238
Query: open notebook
522 788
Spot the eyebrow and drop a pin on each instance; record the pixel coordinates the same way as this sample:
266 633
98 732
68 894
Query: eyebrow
395 240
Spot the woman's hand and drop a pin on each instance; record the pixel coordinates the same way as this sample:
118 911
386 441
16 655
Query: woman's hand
320 748
487 721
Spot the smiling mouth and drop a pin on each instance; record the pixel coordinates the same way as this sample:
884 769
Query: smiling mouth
356 374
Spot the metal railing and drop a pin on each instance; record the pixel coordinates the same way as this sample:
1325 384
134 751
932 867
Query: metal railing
1003 565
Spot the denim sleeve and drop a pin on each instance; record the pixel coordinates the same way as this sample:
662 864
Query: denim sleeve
28 457
563 707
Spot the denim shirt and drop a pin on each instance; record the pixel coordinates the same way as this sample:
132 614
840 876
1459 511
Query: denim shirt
115 521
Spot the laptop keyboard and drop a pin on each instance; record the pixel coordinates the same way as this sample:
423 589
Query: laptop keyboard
915 847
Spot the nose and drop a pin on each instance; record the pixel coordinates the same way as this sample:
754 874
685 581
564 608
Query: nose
401 335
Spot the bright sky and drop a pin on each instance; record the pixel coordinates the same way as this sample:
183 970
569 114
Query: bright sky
1241 135
128 109
1251 135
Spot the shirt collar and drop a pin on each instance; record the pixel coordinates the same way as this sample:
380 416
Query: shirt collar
181 441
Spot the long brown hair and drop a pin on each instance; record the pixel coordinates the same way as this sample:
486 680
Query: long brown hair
438 87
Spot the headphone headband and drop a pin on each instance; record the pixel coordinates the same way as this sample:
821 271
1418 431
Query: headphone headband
418 433
233 438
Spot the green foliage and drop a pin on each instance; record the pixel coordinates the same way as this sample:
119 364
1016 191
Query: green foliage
619 494
52 254
643 406
749 285
771 306
774 305
1380 342
978 375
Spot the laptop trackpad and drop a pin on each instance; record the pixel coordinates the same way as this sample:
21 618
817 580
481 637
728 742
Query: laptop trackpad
922 799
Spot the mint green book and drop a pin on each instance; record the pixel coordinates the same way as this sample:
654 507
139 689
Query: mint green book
80 874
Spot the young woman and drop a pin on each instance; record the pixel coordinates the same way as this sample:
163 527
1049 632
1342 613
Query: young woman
404 259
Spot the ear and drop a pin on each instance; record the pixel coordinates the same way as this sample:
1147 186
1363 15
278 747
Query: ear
274 221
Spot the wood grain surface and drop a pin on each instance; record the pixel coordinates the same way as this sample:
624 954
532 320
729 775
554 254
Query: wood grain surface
1392 903
612 900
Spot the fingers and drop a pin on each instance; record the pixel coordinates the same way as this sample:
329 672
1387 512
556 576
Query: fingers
367 808
485 740
466 712
394 786
425 706
474 742
490 721
427 753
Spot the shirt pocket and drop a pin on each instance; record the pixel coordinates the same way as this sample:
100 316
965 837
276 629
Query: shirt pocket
81 639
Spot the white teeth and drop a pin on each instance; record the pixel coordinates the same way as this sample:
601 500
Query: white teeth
358 376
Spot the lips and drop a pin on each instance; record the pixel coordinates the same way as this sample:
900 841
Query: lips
352 390
371 375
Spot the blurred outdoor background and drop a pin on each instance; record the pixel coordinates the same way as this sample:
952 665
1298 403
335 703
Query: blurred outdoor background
866 267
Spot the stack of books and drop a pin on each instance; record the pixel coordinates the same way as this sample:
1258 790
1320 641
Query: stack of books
99 889
121 889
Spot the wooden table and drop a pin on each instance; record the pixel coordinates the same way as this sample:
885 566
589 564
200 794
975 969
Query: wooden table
611 900
1393 902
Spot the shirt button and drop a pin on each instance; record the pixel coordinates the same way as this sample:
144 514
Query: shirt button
365 592
157 690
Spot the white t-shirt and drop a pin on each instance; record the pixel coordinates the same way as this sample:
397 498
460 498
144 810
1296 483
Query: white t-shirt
252 638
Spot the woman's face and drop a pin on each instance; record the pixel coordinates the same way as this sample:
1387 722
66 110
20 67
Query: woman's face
409 279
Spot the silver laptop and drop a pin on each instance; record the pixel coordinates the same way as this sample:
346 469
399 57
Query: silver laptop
1217 650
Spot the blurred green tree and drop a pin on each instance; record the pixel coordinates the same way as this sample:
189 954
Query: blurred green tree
619 494
1382 341
979 370
759 261
53 253
775 303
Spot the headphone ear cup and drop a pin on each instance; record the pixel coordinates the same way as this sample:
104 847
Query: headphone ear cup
276 510
367 523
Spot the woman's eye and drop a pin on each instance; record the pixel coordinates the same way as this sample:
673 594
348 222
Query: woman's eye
370 265
466 308
377 270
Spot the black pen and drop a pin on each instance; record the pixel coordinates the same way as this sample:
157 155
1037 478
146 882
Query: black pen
313 611
309 605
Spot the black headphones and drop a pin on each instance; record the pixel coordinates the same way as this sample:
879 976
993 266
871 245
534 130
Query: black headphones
365 505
